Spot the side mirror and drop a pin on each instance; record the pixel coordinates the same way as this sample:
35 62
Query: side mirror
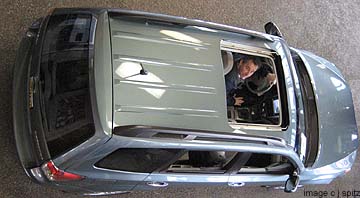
271 28
292 183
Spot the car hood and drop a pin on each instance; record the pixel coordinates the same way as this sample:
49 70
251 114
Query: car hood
338 133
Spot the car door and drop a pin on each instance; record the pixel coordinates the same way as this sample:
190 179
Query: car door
243 168
158 180
264 172
173 174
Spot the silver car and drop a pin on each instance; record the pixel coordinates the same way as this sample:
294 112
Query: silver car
109 101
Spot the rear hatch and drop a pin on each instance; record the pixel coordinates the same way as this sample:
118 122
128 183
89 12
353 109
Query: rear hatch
64 82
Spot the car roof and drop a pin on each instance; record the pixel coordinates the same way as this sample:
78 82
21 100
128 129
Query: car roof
185 83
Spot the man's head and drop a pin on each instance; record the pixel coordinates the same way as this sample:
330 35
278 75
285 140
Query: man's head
248 66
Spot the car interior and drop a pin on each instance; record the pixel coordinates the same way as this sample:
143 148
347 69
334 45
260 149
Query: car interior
229 162
147 160
259 91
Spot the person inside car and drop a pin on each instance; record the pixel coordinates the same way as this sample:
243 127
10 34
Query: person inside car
244 67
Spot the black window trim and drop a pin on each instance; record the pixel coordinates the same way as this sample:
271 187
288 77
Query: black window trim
310 110
233 167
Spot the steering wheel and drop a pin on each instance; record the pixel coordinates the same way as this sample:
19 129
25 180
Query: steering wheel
259 83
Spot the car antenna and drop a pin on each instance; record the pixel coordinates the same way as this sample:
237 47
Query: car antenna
143 71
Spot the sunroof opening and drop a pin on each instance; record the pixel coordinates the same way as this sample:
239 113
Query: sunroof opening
251 82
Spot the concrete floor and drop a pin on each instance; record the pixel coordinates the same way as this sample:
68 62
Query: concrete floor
327 28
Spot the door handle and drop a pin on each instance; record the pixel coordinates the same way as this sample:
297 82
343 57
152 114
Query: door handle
157 184
236 184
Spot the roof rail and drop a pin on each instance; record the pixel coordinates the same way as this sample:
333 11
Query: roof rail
177 133
188 22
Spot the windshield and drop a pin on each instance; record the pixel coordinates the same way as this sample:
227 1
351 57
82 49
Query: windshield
307 141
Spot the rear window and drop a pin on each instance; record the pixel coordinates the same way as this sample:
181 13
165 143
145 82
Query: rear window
64 81
137 160
67 32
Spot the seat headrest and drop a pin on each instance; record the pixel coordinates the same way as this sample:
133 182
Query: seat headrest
228 61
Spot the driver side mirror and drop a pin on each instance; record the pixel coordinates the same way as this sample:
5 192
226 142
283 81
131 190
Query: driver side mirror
271 28
292 183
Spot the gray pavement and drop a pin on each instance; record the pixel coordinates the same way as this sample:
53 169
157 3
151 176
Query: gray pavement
328 28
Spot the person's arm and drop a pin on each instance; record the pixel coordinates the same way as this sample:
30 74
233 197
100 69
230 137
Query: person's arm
230 92
230 89
231 85
230 101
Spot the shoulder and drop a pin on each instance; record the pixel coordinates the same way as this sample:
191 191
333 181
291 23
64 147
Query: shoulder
232 74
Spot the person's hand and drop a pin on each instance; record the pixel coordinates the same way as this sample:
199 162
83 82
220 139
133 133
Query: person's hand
271 78
238 101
